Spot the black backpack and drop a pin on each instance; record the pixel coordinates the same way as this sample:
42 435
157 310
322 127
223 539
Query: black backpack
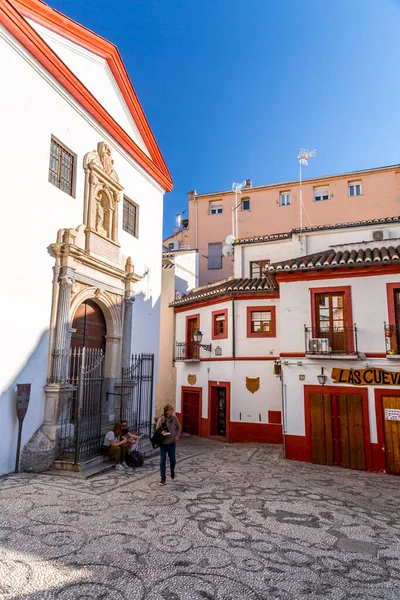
134 459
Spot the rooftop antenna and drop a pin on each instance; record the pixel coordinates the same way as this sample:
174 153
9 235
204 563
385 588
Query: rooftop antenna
302 156
237 188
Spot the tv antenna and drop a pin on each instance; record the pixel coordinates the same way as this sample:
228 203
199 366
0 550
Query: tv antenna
302 156
237 188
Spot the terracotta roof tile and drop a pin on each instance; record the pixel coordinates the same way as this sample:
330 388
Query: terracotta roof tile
225 286
335 258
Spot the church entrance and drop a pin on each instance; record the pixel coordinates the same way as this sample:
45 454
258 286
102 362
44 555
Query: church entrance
89 327
82 418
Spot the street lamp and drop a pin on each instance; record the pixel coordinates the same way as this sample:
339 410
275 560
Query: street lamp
321 377
197 337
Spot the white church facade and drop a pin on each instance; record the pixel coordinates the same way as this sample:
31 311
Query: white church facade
81 244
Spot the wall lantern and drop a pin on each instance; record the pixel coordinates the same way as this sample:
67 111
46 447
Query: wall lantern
197 337
321 377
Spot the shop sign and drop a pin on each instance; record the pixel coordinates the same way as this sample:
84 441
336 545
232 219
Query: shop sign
23 396
366 376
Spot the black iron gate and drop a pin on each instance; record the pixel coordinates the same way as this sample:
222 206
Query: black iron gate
85 413
136 394
82 406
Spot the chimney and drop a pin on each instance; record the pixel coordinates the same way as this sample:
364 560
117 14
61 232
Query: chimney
248 183
192 195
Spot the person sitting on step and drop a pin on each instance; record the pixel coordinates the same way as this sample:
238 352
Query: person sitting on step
131 438
115 446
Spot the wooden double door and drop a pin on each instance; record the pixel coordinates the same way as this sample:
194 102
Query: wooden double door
337 430
391 419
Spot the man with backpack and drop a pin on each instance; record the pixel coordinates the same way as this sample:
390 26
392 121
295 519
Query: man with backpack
170 429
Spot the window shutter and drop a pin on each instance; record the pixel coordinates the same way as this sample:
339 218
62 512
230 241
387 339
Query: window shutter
215 256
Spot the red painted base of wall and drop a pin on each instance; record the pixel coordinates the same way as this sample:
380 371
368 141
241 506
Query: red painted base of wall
378 459
296 447
258 433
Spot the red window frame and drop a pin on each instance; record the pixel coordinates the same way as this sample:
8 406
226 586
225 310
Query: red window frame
265 308
348 311
218 313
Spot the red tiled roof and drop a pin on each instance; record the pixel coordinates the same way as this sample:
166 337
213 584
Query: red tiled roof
343 257
225 286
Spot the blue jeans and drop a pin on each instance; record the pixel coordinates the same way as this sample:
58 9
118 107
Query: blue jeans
164 450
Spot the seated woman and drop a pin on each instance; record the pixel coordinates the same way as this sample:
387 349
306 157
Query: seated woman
114 445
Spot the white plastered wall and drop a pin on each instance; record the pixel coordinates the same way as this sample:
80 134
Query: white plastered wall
36 108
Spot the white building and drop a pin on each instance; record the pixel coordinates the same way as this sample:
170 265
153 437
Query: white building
340 327
83 186
314 319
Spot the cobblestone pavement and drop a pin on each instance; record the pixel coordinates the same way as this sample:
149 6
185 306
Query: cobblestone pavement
236 523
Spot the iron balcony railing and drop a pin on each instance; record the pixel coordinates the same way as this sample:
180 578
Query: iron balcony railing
392 339
187 351
337 340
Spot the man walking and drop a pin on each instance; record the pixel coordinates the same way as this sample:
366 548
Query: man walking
171 433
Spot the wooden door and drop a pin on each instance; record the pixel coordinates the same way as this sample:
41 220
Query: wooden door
191 413
192 349
90 327
337 430
330 320
392 433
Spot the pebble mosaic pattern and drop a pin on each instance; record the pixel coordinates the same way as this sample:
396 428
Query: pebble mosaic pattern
237 523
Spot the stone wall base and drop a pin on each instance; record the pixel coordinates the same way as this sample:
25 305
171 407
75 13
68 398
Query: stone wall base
38 454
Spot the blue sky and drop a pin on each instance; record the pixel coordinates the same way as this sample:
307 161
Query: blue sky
233 88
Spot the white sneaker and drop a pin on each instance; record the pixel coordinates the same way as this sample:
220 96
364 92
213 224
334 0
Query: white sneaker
119 468
123 464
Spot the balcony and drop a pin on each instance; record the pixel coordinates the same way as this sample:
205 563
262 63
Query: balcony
331 343
187 351
392 341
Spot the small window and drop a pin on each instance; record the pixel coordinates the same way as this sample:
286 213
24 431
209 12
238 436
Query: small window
130 217
257 268
246 204
321 193
355 188
61 167
261 321
215 256
285 199
216 208
220 324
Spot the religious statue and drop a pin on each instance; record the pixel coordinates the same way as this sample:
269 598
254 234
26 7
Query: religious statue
100 218
104 152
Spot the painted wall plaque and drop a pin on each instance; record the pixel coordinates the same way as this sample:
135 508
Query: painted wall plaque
192 379
252 384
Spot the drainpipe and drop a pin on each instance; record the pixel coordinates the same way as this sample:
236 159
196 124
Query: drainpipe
283 393
233 327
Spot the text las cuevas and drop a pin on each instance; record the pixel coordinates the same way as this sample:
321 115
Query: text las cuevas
365 376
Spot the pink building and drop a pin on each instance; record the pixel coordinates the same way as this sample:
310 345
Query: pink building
267 209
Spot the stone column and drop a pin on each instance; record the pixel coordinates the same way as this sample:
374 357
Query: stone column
62 337
127 330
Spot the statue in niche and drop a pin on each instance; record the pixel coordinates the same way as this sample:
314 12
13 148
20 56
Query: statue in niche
100 228
104 152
